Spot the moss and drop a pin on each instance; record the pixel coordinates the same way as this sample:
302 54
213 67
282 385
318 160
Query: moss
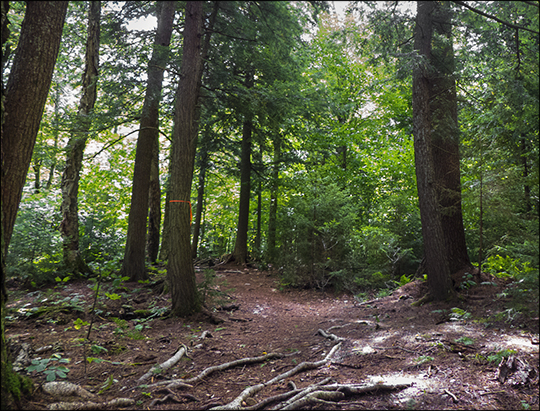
142 313
16 385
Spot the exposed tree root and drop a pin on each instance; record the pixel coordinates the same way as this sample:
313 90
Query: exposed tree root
66 389
113 405
167 364
236 404
185 382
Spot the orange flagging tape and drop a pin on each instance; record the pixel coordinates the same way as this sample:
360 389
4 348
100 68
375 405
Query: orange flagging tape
182 201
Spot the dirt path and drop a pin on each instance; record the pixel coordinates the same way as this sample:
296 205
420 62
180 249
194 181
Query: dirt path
444 354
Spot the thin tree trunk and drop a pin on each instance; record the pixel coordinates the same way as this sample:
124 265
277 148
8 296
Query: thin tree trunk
165 238
258 240
240 249
69 228
56 134
272 217
134 257
180 271
199 208
23 102
525 174
439 281
154 206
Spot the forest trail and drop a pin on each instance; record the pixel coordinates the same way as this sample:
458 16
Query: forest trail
445 353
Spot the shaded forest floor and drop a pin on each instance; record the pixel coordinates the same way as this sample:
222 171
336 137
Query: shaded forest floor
446 355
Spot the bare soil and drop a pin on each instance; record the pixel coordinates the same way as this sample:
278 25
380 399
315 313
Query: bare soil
443 354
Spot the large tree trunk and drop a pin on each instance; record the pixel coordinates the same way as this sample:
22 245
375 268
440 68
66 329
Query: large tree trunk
445 138
69 228
25 97
134 255
439 281
23 101
272 217
180 271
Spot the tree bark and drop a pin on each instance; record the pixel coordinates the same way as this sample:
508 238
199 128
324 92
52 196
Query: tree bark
200 201
23 102
240 248
69 227
272 217
439 281
24 99
134 256
154 206
445 138
180 271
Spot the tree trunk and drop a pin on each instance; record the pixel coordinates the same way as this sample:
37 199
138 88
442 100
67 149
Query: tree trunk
240 248
154 206
69 227
165 238
22 107
445 138
272 217
56 124
199 208
134 255
24 99
180 271
258 239
437 267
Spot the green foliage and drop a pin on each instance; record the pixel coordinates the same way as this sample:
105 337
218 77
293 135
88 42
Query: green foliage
465 340
35 250
78 323
459 314
507 267
44 366
497 357
423 359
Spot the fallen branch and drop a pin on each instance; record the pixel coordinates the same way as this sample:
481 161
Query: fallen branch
167 364
236 404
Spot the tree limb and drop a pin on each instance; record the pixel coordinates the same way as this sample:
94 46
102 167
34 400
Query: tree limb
489 16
